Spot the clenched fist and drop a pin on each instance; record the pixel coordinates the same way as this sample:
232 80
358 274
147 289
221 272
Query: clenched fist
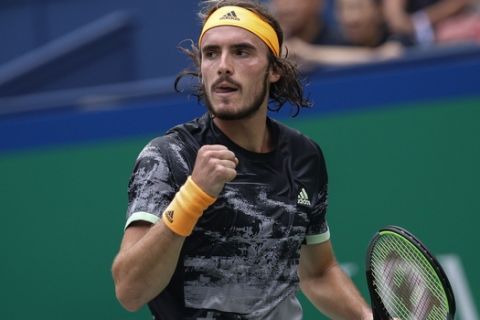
215 165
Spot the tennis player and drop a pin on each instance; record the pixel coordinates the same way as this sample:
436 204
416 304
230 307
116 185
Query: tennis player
226 214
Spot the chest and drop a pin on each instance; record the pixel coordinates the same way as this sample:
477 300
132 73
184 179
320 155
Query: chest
266 201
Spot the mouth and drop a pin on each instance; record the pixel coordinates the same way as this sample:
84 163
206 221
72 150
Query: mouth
225 88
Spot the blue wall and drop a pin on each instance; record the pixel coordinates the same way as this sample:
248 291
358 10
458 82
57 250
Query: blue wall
27 25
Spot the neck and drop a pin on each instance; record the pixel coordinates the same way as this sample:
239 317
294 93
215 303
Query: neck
251 134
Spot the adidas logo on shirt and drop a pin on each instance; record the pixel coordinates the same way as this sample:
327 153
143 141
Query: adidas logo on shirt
303 198
230 16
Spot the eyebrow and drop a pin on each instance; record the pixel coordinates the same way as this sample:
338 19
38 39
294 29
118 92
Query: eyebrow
243 45
237 46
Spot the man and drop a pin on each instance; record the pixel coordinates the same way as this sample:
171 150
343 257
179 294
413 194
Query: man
362 22
226 213
305 20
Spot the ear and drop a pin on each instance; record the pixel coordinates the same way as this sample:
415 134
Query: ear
273 74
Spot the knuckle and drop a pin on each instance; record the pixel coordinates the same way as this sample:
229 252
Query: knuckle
212 162
203 148
219 168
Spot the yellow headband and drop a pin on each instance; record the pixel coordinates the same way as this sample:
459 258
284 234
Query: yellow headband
246 19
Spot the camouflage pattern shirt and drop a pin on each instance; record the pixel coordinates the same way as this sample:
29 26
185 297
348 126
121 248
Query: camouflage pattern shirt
241 260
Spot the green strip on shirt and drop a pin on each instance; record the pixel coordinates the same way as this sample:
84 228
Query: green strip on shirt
318 238
142 216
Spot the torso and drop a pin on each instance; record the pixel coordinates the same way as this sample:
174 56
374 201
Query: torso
242 256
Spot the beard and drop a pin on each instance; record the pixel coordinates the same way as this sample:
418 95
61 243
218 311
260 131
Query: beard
245 112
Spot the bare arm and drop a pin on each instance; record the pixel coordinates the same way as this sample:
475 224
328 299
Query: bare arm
327 286
400 21
146 262
149 253
445 9
308 54
396 16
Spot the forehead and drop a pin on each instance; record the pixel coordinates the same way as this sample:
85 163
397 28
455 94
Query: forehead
229 35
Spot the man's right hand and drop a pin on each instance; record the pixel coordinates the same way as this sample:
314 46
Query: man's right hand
215 165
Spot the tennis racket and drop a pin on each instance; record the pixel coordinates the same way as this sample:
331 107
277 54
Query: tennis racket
405 281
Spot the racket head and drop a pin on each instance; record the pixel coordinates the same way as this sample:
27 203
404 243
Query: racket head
405 280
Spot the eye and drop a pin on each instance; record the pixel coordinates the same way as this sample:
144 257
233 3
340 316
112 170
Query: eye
209 54
241 52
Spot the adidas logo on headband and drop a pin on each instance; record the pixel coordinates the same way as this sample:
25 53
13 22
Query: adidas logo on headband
240 17
230 16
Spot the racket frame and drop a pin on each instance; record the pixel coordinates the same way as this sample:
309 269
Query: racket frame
378 308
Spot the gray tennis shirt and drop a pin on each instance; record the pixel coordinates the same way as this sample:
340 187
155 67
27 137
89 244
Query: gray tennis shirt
241 260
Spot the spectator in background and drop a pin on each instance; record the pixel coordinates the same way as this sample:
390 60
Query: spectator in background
304 20
311 42
419 21
361 22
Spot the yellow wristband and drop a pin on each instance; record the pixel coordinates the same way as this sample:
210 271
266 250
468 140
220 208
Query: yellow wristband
186 208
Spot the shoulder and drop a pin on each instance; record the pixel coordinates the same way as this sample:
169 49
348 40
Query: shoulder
177 147
180 138
306 156
296 141
159 147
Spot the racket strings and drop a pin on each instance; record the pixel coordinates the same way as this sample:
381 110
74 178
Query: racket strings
420 264
408 286
406 281
396 305
405 285
414 260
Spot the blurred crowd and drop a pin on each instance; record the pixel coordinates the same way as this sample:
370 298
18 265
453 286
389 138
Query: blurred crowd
341 32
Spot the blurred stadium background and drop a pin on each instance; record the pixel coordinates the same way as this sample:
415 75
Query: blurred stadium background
85 84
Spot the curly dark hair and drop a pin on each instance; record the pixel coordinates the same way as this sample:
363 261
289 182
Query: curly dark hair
289 88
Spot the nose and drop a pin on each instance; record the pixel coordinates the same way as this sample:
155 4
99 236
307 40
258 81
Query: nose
225 66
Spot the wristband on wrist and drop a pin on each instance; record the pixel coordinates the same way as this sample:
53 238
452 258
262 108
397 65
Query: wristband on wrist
186 208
